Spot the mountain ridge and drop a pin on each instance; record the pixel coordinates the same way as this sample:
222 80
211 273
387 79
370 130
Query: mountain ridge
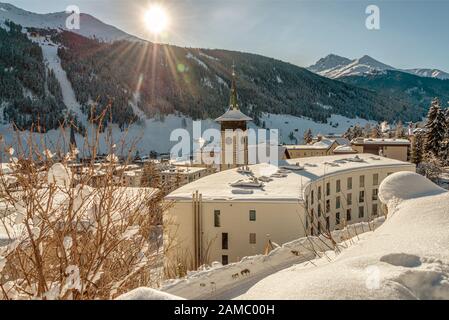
90 26
365 65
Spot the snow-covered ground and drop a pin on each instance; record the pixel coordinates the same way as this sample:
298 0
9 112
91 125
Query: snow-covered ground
406 258
227 282
147 294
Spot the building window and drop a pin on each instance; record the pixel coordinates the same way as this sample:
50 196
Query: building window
337 202
328 189
362 181
348 215
362 196
319 209
312 198
319 193
252 238
349 182
252 215
349 199
217 222
337 218
328 206
375 210
328 225
361 212
375 196
224 260
338 186
375 179
224 241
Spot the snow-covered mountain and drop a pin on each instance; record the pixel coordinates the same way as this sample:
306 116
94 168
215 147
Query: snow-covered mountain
89 26
333 66
330 62
429 73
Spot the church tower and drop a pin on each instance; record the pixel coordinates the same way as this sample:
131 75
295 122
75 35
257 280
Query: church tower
234 139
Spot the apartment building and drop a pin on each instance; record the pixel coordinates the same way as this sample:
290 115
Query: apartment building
391 148
232 214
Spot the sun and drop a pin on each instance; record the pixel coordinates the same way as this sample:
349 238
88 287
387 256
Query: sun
156 19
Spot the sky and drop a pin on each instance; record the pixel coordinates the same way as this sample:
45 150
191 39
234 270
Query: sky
412 34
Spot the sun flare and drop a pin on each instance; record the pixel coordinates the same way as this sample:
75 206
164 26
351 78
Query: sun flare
156 19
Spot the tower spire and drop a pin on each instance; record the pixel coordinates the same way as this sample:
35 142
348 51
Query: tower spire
233 104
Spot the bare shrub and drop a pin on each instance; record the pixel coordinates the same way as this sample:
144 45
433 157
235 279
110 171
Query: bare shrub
72 230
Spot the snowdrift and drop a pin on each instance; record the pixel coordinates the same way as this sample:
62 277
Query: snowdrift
406 258
147 294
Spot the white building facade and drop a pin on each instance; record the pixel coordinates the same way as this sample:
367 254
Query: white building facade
232 214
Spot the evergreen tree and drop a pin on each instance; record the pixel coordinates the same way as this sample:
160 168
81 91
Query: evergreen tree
417 149
308 137
436 128
444 152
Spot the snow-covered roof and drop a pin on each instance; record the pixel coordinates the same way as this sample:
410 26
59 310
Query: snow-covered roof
405 258
181 170
344 149
286 185
323 144
233 115
359 141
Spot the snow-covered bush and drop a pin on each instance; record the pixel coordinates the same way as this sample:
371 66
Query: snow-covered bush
430 167
65 237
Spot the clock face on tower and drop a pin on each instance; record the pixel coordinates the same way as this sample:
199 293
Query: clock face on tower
228 140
